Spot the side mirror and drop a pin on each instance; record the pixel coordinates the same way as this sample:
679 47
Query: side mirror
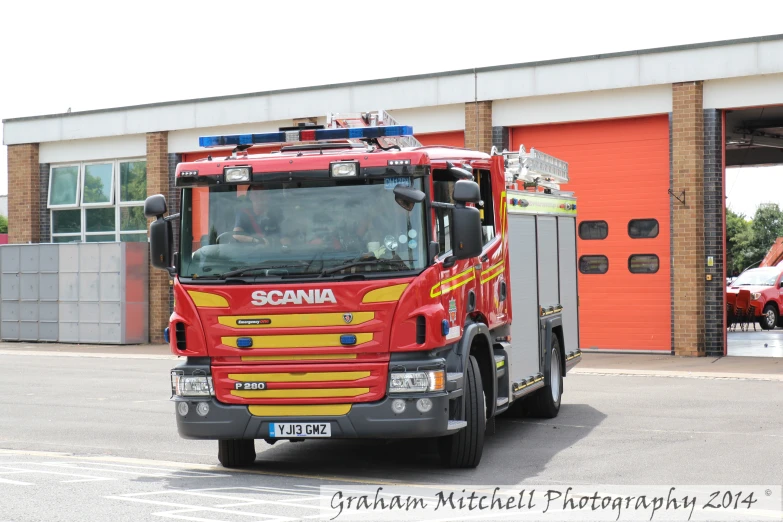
407 197
155 206
466 192
161 234
467 232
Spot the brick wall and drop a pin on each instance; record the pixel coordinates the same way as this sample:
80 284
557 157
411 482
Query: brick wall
23 194
158 183
43 205
672 201
713 232
688 258
173 200
478 126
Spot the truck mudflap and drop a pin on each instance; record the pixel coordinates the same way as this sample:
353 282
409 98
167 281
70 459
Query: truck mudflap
362 420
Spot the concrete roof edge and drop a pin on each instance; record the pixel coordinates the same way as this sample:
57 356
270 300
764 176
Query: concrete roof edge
476 70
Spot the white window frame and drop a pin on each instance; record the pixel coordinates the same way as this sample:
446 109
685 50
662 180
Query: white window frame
116 203
54 234
111 189
77 199
120 204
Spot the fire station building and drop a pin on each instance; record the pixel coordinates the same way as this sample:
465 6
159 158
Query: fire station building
647 134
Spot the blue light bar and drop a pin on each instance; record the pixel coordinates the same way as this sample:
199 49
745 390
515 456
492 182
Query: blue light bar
293 136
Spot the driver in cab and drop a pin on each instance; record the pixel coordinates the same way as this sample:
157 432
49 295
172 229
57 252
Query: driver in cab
257 221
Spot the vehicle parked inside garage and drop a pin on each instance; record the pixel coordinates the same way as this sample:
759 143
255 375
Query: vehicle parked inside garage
766 294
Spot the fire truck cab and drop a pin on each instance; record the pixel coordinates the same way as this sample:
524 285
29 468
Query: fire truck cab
355 284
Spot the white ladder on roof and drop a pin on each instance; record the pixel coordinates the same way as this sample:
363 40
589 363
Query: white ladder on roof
379 118
534 168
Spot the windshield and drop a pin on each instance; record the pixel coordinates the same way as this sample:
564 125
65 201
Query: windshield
758 277
301 229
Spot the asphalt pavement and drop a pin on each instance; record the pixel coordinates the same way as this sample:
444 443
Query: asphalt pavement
94 438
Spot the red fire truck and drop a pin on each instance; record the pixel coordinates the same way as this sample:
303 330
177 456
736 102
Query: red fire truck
354 284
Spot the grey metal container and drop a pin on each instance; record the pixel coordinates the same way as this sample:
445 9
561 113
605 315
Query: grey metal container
75 293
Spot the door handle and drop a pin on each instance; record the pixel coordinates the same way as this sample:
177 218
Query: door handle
484 258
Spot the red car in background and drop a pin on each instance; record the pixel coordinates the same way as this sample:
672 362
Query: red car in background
766 293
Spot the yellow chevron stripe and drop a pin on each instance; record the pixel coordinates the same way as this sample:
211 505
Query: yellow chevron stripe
490 269
297 320
207 300
298 410
440 289
298 377
322 357
300 394
386 294
503 204
296 341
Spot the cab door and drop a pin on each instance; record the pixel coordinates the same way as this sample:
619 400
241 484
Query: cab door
490 269
460 280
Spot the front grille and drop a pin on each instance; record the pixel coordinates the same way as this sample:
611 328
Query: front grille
179 333
323 383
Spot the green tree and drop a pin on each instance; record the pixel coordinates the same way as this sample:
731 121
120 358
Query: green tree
739 237
767 226
3 225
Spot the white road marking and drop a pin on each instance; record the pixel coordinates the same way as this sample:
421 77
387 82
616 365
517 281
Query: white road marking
645 430
681 374
96 355
15 482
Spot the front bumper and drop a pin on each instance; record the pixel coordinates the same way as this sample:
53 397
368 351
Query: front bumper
365 420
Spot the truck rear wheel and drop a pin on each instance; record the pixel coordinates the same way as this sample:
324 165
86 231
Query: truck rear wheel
236 453
545 402
464 448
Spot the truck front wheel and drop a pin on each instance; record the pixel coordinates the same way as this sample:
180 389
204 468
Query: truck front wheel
464 448
236 453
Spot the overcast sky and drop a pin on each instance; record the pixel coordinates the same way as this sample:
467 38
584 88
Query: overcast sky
91 55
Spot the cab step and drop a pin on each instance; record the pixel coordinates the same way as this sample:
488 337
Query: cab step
500 365
455 425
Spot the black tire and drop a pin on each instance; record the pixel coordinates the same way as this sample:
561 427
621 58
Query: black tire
545 403
769 319
236 453
464 448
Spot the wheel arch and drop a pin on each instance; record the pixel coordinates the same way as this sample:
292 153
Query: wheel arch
552 326
476 342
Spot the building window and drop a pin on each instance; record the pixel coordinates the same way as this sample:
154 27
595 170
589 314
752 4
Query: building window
643 228
98 201
593 264
64 186
593 230
643 263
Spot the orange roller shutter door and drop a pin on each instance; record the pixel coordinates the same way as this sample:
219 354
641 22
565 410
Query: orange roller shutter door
619 171
450 139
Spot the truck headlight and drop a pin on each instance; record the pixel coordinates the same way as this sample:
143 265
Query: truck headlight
191 385
237 174
406 382
755 296
343 169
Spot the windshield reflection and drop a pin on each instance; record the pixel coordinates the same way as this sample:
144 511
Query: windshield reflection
300 229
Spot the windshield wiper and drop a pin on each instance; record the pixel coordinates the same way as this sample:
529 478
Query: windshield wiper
364 262
249 269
